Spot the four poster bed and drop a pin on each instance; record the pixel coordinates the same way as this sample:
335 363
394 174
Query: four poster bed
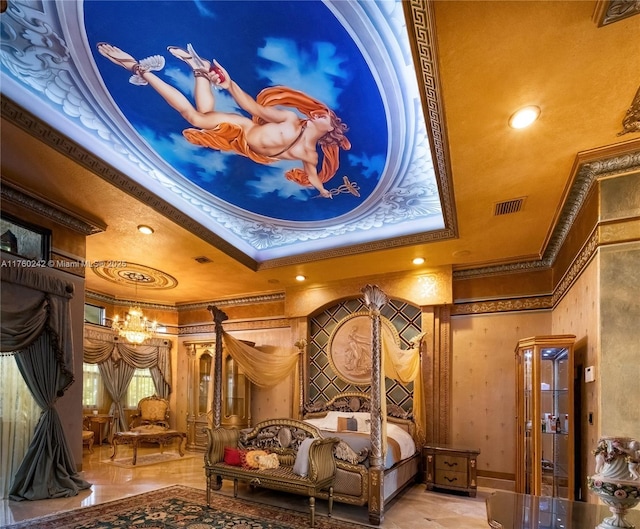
379 450
348 417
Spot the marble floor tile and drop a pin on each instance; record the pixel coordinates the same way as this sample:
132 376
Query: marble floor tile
415 508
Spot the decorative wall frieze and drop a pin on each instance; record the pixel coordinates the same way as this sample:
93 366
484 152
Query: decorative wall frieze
503 305
96 296
251 325
245 300
105 334
18 197
248 300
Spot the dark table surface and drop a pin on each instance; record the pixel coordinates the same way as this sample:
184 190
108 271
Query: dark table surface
508 510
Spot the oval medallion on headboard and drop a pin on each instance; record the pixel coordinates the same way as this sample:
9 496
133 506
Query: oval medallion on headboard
284 437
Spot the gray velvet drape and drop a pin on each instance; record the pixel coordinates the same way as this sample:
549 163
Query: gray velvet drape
117 362
35 325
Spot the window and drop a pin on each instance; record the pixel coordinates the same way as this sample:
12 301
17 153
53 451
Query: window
92 386
24 240
94 314
141 386
20 414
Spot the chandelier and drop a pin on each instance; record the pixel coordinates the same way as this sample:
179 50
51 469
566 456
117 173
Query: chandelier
135 328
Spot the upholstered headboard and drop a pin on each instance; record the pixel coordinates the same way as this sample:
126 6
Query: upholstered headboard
355 401
352 401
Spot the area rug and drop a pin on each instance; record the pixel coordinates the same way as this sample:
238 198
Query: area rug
185 508
149 459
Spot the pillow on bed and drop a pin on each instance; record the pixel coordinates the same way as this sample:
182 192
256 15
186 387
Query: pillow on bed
330 421
347 424
364 422
301 466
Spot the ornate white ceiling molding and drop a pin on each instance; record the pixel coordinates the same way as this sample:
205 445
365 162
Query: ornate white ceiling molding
43 51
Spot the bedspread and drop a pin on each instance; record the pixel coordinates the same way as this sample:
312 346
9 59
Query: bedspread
400 444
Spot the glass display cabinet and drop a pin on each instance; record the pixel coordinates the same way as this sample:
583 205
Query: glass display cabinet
236 396
544 416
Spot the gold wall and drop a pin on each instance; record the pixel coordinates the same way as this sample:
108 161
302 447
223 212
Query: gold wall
483 386
577 313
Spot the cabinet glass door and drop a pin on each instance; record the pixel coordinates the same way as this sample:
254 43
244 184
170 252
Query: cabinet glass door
236 395
527 365
554 406
544 444
204 382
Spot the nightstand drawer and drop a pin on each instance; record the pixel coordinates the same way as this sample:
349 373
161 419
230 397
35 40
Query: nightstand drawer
448 478
453 463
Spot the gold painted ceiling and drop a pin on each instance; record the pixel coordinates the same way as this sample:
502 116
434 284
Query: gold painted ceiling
476 63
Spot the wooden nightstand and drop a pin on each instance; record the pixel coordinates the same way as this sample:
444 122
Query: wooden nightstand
450 467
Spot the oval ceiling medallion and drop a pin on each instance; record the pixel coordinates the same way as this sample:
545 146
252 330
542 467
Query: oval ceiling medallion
135 274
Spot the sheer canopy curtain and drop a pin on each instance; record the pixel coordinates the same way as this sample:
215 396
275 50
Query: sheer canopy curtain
19 414
35 326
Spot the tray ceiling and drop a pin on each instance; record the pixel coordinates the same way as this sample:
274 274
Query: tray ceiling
354 57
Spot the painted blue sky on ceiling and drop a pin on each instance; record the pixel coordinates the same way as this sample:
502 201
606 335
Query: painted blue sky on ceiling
354 56
261 44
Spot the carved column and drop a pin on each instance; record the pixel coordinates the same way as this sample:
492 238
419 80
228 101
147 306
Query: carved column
218 317
375 299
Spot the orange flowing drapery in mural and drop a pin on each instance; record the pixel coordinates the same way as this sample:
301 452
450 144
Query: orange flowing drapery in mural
229 137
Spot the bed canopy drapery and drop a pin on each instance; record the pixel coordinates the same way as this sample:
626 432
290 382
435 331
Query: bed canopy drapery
36 329
117 362
262 368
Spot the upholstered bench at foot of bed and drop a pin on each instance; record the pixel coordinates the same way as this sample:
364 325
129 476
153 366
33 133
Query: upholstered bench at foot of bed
281 437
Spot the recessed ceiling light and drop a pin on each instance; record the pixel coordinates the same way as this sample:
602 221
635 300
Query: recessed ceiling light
418 261
300 278
524 117
147 230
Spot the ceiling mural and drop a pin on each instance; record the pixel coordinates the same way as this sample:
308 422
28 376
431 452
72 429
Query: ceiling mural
282 127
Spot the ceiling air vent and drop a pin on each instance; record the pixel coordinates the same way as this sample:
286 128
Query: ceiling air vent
508 206
203 260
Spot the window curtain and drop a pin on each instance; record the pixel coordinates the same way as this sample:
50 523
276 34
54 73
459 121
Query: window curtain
118 361
35 325
262 368
116 379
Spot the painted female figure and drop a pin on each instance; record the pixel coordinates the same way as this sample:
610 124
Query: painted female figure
270 135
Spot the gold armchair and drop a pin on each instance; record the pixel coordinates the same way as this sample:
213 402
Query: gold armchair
152 414
87 435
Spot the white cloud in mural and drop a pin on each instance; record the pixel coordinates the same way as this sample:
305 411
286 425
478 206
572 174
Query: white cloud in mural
321 66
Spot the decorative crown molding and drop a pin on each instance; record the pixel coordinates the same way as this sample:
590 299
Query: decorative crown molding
588 173
14 195
610 11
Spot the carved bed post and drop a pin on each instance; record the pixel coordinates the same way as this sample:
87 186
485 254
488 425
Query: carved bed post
218 317
301 344
375 299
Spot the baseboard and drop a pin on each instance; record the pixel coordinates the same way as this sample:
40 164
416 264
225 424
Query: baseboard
495 483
